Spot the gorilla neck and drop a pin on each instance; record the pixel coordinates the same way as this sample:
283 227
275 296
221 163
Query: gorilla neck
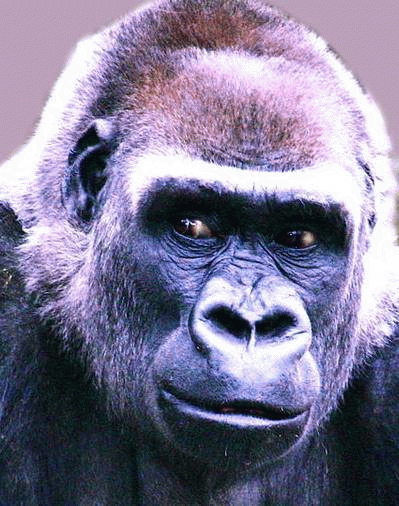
164 481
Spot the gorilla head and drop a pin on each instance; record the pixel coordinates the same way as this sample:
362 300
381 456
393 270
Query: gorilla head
206 221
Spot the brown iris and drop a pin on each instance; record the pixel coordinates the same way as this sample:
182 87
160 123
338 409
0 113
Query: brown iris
194 228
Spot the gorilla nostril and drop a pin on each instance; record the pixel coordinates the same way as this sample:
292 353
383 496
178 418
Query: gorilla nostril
274 325
230 321
226 319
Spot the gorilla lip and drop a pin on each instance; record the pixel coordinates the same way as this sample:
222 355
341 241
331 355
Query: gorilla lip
236 412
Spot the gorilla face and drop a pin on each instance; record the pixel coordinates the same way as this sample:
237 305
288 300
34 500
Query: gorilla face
229 291
256 269
221 272
215 230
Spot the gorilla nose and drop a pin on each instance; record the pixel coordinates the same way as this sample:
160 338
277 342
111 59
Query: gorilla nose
249 325
228 316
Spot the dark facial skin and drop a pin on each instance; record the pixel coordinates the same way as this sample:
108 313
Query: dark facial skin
243 277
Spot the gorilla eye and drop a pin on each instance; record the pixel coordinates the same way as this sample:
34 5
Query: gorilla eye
299 239
196 229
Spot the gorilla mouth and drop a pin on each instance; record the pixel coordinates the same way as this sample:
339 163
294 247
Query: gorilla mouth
258 410
236 412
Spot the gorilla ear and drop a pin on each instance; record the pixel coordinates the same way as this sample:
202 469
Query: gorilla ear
86 173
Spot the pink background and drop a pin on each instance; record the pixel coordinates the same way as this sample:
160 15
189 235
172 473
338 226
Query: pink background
36 37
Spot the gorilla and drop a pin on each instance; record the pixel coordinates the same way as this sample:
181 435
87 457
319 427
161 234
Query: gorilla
198 275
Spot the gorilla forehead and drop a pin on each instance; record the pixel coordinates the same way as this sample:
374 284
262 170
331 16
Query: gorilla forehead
268 111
